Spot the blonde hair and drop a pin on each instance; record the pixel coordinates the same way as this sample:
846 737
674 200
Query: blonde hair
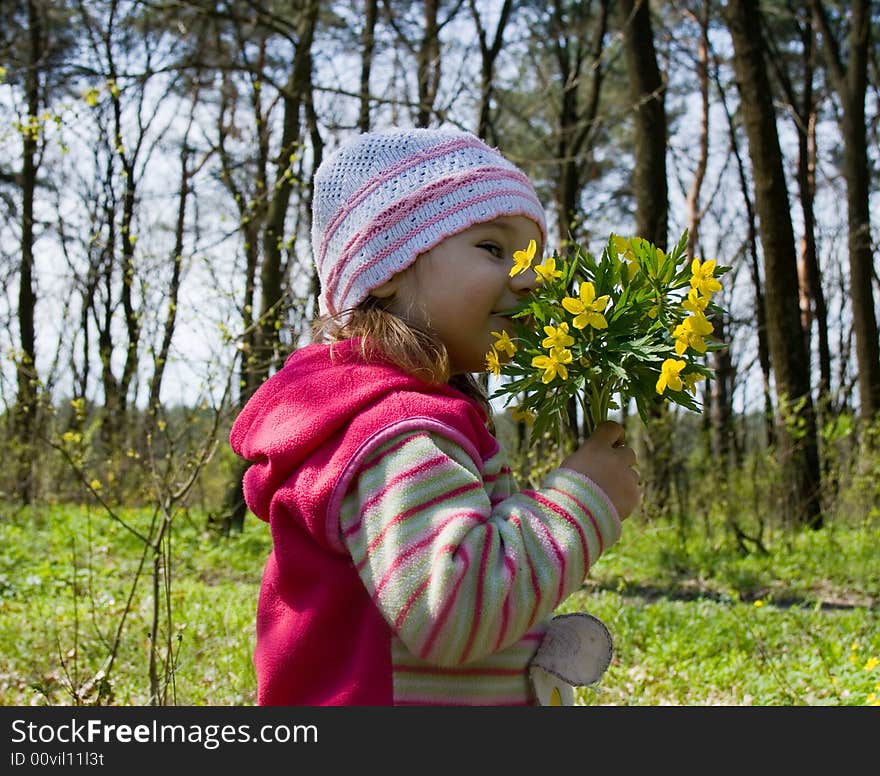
384 336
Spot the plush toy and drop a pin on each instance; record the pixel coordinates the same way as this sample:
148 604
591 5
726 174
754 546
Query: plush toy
575 652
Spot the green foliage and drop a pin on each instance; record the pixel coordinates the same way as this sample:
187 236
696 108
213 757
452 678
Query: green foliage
631 323
80 457
65 578
695 620
698 622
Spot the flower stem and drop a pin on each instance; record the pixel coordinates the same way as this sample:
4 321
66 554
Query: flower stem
596 402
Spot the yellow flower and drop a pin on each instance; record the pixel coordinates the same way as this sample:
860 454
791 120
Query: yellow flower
504 344
91 97
690 381
521 415
492 362
522 260
701 277
690 332
553 364
547 271
624 251
669 375
588 309
695 302
758 603
871 663
622 246
557 337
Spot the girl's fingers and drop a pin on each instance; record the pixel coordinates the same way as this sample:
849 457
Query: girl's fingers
609 432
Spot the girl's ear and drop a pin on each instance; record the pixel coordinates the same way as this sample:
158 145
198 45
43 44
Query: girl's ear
387 289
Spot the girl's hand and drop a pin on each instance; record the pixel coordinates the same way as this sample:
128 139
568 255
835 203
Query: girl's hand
605 458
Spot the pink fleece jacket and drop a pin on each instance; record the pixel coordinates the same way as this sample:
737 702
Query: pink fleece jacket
306 430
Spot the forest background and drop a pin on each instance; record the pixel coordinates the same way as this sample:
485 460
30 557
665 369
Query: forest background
155 172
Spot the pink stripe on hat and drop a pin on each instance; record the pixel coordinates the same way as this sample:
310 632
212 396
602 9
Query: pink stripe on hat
434 235
413 188
382 178
407 208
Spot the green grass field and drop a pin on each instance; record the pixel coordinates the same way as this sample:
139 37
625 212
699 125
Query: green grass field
694 622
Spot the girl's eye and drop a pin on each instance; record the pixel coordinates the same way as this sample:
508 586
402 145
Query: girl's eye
495 250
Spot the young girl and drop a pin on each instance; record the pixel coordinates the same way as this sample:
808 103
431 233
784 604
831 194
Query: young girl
407 567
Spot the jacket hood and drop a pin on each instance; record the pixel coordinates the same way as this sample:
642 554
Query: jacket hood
317 393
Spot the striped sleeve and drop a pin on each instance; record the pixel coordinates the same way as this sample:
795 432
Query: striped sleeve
459 567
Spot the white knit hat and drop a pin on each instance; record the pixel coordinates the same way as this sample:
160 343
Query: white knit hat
384 198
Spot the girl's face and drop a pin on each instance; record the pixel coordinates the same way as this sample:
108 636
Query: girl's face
459 289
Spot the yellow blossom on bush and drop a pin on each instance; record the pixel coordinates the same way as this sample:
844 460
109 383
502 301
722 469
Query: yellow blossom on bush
690 381
633 323
503 343
690 332
670 375
702 277
588 309
547 271
522 416
557 337
492 362
553 364
695 302
522 260
91 97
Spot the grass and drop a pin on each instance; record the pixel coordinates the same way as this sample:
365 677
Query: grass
694 621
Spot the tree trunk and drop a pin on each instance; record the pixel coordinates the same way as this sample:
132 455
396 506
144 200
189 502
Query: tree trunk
850 81
750 249
428 64
26 377
577 116
368 40
796 432
647 94
265 347
812 296
160 359
488 56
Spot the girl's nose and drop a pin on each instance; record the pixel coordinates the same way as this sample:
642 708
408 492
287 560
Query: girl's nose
524 282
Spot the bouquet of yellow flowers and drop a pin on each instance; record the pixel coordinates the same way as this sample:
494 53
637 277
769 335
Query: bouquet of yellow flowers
636 323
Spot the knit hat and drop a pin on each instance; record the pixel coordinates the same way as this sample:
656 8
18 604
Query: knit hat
384 198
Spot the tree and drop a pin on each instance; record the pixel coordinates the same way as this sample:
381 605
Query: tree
647 90
797 436
261 177
26 397
850 81
422 40
368 39
488 57
38 40
581 74
804 109
649 184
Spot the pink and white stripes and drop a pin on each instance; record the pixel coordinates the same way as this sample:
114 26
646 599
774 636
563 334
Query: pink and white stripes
467 569
385 198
